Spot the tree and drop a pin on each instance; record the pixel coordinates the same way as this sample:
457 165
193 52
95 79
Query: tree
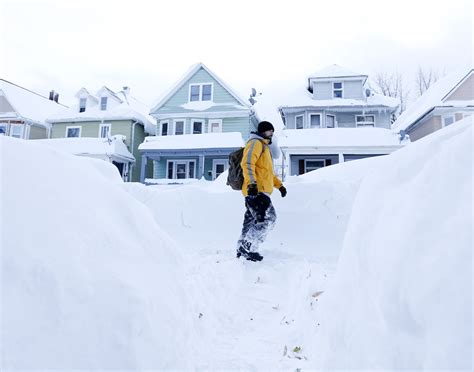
424 79
392 85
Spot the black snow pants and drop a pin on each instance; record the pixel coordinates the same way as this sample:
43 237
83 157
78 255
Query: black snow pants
259 219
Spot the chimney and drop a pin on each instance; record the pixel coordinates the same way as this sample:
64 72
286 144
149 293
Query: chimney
51 95
56 97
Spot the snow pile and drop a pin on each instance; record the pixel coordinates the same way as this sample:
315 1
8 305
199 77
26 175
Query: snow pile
402 294
89 281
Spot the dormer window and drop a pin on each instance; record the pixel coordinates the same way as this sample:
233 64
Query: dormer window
337 89
103 103
82 104
200 92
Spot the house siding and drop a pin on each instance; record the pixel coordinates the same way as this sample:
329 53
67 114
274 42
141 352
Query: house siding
5 106
343 119
351 89
38 132
430 125
160 167
463 92
220 96
295 159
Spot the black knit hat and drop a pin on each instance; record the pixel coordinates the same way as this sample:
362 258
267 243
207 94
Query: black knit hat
263 126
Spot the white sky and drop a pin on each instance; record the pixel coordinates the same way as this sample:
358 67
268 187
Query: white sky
148 45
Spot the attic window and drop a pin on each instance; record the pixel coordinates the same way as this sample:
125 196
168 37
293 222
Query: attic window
195 92
103 103
337 90
200 92
82 104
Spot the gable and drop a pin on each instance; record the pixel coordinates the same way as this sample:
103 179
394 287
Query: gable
5 106
222 96
463 92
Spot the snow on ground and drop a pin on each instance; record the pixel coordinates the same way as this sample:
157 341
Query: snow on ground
89 280
154 282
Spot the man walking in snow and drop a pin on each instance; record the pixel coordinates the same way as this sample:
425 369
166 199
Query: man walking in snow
259 181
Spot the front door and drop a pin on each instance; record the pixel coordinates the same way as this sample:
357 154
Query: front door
219 166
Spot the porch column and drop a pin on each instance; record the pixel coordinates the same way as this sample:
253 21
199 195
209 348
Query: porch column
201 166
142 169
341 158
283 166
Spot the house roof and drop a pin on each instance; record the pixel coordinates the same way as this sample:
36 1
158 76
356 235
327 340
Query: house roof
435 96
191 71
28 104
129 109
113 147
193 141
335 71
338 137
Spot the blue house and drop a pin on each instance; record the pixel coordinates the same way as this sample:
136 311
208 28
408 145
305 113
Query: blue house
334 117
199 123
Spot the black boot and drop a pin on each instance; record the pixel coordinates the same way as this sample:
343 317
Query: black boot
251 256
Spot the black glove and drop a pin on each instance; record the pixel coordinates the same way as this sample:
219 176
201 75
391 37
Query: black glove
252 189
282 191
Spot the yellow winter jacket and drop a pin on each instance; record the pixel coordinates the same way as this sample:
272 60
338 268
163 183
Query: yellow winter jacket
257 166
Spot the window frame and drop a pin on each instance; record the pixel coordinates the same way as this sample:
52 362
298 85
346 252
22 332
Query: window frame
452 116
302 121
81 108
167 122
320 121
197 121
22 130
338 89
308 160
364 124
335 123
181 161
101 103
73 127
209 125
200 85
105 125
174 126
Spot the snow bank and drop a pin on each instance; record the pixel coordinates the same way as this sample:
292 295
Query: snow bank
89 281
402 295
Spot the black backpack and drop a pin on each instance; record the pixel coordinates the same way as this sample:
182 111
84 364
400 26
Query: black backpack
235 178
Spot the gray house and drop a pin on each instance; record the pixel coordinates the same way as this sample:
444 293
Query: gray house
199 122
334 118
445 102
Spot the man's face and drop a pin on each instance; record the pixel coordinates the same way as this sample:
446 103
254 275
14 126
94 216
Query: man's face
268 134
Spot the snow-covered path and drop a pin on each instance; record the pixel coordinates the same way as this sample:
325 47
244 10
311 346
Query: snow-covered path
250 314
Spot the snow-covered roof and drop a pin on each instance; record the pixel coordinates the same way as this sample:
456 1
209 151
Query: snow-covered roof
29 105
338 137
191 71
112 147
335 71
193 141
435 96
129 109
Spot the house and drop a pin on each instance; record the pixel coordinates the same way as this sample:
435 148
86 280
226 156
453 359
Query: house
445 102
104 115
330 119
112 149
200 121
23 112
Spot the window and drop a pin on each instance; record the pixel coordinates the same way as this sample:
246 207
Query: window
206 92
16 130
103 103
365 120
179 127
299 122
337 90
82 104
219 166
197 127
315 120
311 165
200 92
164 128
104 131
181 169
448 120
73 132
195 93
215 125
330 121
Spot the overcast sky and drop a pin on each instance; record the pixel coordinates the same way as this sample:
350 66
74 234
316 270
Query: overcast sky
148 45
